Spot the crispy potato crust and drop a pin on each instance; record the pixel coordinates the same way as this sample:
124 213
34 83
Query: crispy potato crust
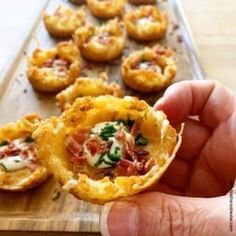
106 9
91 47
86 112
85 86
64 21
46 80
24 179
148 30
145 80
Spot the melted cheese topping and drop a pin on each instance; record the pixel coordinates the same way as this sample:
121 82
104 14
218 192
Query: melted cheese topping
145 20
13 163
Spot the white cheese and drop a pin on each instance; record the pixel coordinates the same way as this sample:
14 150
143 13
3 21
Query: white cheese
144 20
70 185
13 163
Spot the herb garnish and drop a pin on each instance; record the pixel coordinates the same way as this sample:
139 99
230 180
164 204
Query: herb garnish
17 161
4 167
115 157
101 160
29 140
140 140
3 143
107 132
128 123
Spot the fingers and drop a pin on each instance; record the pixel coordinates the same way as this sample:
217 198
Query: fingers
195 136
211 101
161 214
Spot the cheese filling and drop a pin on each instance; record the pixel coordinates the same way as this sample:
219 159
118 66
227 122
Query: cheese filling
17 154
149 65
145 20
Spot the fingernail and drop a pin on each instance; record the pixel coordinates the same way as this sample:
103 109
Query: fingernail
119 219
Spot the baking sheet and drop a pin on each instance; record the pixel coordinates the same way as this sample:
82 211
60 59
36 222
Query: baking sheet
38 209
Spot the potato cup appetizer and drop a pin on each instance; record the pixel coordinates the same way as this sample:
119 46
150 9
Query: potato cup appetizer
147 23
100 44
140 2
106 9
54 69
103 148
64 22
149 70
20 168
85 86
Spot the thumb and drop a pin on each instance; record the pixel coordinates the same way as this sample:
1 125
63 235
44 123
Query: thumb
161 214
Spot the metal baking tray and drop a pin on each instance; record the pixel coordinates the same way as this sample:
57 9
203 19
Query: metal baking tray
37 209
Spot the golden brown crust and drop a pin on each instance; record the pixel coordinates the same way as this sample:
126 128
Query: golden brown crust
23 179
45 80
92 49
106 9
86 112
64 21
145 80
149 30
85 86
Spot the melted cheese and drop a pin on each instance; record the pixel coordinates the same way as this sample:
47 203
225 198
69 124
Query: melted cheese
144 21
13 163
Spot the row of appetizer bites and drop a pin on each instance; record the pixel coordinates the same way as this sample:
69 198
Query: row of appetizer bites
147 23
52 70
20 167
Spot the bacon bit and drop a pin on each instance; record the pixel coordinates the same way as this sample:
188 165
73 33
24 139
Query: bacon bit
32 166
80 136
48 63
120 135
105 147
80 160
160 50
93 146
126 168
75 148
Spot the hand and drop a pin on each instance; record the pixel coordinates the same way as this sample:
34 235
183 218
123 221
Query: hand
195 186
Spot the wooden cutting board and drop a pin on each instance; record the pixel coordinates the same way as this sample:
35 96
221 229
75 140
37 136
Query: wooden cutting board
48 208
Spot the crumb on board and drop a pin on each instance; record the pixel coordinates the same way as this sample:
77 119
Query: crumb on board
56 195
180 38
25 91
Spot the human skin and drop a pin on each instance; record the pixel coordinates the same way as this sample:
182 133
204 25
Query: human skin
196 193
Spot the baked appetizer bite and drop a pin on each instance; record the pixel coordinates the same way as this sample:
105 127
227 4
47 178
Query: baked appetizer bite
85 86
20 168
140 2
103 148
64 21
107 8
149 70
147 23
54 69
100 44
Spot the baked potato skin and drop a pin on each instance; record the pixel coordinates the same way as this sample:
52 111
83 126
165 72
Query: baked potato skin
85 86
45 81
64 22
85 112
21 180
146 32
97 52
106 9
147 80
